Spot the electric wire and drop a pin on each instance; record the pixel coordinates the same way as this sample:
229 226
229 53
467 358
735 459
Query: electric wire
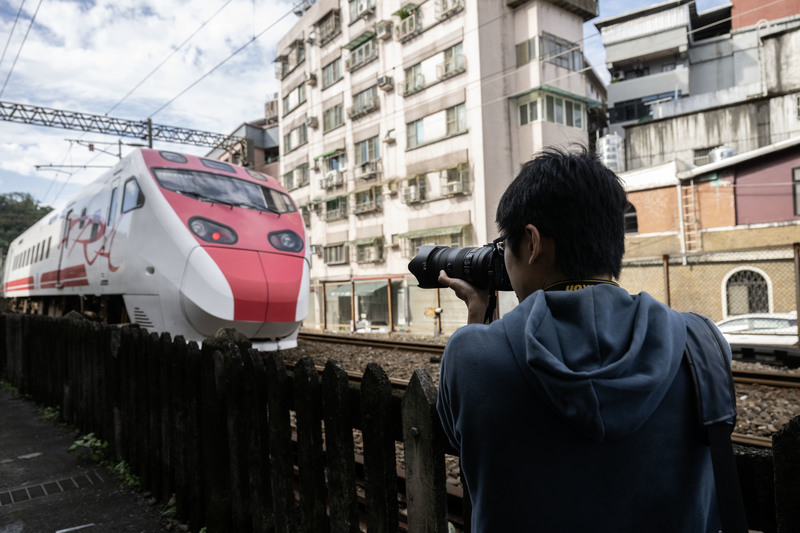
25 38
218 65
11 33
169 56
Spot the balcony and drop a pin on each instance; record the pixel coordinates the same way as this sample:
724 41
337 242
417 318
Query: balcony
363 109
588 9
407 28
367 170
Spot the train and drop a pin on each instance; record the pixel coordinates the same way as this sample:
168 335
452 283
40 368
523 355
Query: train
175 243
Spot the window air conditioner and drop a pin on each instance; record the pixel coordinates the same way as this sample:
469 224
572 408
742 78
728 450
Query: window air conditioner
385 82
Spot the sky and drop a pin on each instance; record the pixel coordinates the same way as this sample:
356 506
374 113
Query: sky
185 63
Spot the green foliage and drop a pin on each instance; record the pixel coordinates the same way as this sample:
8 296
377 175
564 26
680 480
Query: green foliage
123 471
50 413
90 447
6 386
18 212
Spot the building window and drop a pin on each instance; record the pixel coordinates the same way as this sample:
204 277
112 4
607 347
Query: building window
747 292
296 178
367 200
336 161
370 252
526 52
364 103
329 27
455 240
415 189
332 72
796 187
561 111
528 109
631 221
295 97
702 156
414 80
455 180
333 117
362 55
359 8
336 208
335 255
295 138
415 135
454 62
456 119
561 52
368 150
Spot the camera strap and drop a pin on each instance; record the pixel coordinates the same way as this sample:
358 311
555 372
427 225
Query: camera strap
490 307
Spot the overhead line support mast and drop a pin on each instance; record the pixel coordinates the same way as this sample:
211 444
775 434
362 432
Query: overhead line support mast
141 129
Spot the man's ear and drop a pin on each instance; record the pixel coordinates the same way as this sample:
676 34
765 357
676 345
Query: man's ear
531 243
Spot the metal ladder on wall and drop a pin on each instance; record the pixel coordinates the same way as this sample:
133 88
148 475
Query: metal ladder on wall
690 234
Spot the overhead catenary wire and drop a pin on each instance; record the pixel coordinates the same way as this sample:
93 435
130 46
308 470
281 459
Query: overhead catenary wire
11 33
24 38
169 56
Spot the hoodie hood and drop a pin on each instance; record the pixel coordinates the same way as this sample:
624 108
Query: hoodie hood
604 359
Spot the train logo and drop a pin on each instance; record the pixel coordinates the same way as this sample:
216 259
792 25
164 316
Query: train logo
175 243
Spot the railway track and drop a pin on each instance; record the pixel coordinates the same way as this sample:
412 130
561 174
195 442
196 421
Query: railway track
772 379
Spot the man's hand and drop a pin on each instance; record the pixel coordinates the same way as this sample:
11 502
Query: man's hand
477 300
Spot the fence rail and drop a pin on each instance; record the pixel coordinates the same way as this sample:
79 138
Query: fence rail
214 426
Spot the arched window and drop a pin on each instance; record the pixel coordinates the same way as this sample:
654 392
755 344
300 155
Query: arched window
747 292
631 222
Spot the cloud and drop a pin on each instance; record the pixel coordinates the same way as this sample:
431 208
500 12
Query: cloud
86 56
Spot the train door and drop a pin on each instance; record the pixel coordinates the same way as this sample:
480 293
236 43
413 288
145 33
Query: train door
63 246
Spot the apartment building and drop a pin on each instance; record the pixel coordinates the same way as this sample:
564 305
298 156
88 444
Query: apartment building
402 124
668 60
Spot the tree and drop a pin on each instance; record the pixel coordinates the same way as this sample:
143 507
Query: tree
18 212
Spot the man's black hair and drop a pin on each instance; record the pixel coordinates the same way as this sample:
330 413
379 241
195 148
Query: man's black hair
571 197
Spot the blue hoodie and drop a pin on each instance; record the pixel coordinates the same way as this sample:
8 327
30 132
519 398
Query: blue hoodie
574 413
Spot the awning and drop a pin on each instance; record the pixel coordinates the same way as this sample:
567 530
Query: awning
590 103
358 41
329 152
363 288
447 230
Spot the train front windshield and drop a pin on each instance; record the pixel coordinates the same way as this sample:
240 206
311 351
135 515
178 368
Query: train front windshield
218 188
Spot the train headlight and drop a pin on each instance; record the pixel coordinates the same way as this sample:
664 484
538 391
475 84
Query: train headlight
212 231
286 241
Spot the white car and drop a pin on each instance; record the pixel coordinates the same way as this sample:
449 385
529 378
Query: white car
772 329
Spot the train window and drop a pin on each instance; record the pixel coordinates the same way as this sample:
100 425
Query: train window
36 252
132 196
210 187
83 218
112 210
173 157
49 239
256 175
218 165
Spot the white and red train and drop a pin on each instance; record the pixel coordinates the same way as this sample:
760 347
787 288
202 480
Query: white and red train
175 243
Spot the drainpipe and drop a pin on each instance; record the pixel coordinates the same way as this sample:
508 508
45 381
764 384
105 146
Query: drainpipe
680 219
762 71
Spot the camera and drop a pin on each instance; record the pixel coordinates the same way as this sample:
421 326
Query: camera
482 266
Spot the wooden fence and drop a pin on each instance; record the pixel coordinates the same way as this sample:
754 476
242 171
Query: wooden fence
213 426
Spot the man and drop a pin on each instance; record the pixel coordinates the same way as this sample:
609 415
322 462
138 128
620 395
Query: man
573 412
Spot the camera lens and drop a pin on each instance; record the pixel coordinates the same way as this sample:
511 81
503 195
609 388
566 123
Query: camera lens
480 266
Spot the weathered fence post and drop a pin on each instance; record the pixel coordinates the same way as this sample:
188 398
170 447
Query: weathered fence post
426 491
214 433
786 456
280 443
260 479
380 460
310 459
339 449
